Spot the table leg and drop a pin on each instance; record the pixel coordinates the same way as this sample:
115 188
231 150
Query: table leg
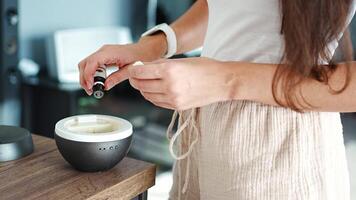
142 196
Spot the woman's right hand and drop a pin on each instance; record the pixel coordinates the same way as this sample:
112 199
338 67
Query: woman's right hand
147 49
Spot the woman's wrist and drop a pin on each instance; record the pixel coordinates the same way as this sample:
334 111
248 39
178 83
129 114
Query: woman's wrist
153 47
251 81
237 78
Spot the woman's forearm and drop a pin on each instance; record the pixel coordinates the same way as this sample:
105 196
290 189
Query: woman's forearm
253 81
190 31
191 27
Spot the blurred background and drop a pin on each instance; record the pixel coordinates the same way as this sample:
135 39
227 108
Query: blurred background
42 42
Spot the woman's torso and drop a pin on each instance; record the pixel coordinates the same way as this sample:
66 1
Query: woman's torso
240 30
248 150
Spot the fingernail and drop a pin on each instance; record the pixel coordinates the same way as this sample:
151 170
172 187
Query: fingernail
89 84
109 85
89 92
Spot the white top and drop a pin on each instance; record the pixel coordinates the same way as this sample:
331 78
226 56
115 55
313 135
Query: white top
248 32
93 128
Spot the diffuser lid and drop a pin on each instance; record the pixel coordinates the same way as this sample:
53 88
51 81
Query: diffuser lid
93 128
15 142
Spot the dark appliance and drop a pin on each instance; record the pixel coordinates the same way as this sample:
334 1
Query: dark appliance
9 59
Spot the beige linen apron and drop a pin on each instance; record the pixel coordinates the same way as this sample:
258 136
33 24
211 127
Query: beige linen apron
247 150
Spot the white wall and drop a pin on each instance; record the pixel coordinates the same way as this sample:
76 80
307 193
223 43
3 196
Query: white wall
39 18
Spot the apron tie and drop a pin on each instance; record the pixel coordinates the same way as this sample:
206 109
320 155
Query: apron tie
190 120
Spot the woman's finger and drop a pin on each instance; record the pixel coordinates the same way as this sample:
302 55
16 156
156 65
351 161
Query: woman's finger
89 71
81 66
116 78
149 71
150 85
164 105
157 99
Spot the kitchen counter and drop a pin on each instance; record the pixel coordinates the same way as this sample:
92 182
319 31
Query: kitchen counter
46 175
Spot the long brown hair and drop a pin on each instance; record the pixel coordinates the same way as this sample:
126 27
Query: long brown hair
308 26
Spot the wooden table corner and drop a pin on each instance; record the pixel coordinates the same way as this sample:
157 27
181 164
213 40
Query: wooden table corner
44 174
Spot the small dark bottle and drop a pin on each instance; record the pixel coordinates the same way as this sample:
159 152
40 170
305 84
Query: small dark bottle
99 82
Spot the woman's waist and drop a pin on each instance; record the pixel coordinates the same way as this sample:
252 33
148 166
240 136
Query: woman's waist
253 113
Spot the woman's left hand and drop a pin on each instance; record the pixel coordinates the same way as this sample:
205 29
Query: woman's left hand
183 83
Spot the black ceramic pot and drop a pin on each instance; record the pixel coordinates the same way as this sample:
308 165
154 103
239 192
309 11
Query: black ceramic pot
93 142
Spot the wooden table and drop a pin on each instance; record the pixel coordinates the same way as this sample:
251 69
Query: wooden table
46 175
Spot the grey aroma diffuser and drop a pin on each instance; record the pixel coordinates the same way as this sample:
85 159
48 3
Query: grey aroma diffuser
93 142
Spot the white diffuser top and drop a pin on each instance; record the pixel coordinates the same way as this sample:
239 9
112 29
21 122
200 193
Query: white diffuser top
93 128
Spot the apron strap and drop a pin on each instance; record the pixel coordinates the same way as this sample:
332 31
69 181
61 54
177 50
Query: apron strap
190 120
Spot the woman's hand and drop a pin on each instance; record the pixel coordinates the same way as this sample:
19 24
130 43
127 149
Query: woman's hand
183 83
190 30
147 49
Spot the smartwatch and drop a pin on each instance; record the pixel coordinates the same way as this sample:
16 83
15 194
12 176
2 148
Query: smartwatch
170 37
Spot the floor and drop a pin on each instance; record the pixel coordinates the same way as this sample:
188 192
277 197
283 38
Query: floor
164 180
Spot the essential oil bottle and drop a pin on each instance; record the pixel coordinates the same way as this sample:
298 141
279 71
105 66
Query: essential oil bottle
99 82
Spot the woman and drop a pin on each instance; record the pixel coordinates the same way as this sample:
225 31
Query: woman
258 112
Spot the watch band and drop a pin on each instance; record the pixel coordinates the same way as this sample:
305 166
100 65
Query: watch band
170 37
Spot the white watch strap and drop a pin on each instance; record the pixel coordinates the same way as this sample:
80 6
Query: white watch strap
170 36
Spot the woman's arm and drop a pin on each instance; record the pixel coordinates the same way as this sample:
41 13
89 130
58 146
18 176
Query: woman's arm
195 20
254 82
194 82
190 31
